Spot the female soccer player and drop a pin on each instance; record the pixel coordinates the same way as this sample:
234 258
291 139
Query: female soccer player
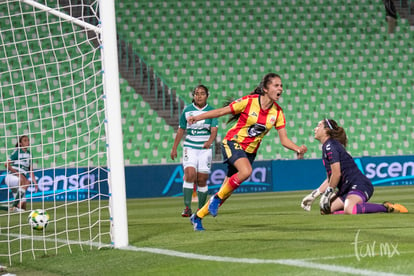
18 169
197 151
354 188
255 115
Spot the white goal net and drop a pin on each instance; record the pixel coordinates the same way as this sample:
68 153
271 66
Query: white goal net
51 90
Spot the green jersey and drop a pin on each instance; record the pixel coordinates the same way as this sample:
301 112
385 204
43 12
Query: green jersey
21 160
199 132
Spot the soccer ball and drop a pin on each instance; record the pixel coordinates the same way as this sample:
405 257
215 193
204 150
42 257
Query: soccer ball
38 219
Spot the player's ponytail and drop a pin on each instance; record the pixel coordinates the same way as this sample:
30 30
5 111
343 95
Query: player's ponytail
235 117
336 132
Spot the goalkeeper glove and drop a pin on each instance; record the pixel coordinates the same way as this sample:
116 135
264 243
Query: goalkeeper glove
308 200
325 203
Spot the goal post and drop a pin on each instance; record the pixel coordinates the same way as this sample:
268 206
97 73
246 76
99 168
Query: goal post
115 142
59 86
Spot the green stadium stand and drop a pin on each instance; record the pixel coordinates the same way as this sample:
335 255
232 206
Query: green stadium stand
336 61
147 137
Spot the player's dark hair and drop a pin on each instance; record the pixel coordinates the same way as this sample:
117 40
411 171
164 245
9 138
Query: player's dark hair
20 140
264 83
336 132
197 87
200 86
258 90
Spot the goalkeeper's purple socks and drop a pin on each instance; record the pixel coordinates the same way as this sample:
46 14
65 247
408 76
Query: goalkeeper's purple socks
366 207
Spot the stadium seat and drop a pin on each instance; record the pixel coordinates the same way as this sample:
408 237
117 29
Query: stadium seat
311 49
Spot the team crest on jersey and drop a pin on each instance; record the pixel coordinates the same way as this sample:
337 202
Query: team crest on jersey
253 114
256 130
272 120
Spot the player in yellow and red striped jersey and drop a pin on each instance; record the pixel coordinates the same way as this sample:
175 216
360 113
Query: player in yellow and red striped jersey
254 122
254 116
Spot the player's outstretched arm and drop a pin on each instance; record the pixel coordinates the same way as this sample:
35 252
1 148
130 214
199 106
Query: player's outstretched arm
325 202
287 143
215 113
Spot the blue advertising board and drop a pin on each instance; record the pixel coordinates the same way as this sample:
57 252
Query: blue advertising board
289 175
276 175
388 170
295 175
167 180
64 184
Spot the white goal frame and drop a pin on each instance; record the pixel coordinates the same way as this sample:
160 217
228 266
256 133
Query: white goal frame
114 124
106 32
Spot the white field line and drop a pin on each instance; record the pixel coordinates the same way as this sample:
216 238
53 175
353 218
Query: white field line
290 262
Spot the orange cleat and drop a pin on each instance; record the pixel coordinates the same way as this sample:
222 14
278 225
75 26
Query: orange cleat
395 207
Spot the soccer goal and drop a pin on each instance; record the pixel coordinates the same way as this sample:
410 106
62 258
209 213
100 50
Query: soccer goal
59 86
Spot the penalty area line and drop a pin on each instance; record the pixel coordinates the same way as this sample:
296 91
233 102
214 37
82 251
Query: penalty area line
289 262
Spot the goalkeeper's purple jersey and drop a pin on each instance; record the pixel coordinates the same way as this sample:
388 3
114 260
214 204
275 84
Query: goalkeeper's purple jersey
332 152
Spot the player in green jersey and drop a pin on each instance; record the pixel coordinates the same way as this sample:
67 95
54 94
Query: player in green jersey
19 168
197 148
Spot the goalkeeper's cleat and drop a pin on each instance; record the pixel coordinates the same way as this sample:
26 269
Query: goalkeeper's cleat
186 212
394 207
214 205
196 222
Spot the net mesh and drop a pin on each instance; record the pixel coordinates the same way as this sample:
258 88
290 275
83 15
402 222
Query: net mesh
51 90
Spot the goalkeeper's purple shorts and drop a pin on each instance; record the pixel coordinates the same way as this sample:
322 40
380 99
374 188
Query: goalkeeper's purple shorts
363 191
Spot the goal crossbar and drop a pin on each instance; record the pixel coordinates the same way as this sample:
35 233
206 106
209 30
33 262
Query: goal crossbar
63 15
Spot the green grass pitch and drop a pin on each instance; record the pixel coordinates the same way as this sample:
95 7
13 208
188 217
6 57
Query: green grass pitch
253 234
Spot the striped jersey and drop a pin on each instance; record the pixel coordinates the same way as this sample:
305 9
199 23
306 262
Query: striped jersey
199 132
254 122
21 160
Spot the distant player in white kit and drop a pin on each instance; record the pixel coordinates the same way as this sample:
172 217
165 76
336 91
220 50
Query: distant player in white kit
197 148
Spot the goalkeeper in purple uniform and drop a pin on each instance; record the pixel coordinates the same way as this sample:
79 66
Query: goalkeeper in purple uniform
346 189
